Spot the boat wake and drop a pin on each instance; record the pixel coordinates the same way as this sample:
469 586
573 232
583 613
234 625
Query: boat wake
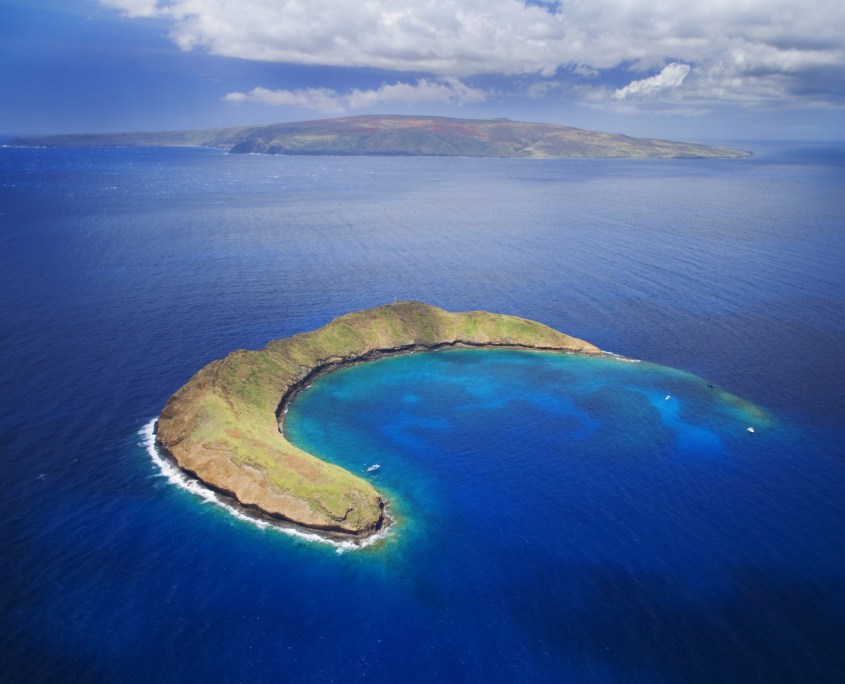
620 357
175 476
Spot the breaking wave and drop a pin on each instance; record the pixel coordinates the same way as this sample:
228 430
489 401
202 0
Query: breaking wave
175 476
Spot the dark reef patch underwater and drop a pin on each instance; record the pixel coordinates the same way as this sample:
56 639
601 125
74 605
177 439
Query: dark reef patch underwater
559 519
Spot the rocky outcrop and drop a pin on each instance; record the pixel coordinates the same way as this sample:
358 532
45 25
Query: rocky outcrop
224 426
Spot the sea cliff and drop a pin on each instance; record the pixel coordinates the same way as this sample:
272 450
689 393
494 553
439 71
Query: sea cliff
224 426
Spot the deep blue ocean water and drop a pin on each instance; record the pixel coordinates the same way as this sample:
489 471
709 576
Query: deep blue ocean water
558 519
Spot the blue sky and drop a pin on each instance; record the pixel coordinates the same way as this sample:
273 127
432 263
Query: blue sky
681 69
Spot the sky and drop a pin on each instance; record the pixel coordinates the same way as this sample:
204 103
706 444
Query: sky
677 69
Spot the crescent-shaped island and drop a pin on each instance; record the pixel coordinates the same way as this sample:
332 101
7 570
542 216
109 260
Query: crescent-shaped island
225 426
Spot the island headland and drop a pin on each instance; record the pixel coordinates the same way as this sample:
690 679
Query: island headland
224 427
391 135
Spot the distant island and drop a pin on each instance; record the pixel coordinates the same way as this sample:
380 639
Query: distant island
225 426
404 136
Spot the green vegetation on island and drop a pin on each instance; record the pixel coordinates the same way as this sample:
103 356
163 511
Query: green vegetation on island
223 426
386 135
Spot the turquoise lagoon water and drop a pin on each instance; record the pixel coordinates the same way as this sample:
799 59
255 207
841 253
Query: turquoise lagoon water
557 517
584 511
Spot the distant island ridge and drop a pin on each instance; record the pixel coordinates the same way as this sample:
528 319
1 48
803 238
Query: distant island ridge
393 135
225 428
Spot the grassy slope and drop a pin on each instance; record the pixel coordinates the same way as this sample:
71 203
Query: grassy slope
218 137
409 135
222 425
460 137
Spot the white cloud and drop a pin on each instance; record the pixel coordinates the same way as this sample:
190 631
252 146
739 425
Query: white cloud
425 90
753 48
327 100
320 99
672 76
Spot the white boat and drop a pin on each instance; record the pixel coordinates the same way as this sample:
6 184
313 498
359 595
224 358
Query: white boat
373 467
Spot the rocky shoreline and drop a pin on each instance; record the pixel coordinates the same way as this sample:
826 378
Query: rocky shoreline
229 500
225 427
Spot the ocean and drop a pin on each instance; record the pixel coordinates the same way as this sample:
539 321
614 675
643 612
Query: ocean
557 518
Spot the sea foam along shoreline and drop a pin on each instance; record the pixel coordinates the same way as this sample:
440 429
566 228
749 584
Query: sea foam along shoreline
176 476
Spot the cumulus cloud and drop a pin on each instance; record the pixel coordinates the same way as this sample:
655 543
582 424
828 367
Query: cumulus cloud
445 37
671 76
423 91
753 49
320 99
327 100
